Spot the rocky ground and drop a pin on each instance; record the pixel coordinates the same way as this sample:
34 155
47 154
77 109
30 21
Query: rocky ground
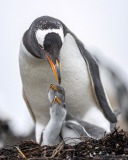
113 146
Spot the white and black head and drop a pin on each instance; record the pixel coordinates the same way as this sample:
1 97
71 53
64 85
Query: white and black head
58 91
44 40
57 109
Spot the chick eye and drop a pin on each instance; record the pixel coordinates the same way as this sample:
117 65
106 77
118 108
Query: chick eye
64 105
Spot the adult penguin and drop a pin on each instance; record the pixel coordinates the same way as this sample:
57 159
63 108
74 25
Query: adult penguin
49 43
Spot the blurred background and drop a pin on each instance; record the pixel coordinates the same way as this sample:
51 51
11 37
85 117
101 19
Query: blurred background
101 25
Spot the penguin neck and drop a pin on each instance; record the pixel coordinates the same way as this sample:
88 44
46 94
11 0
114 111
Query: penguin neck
54 125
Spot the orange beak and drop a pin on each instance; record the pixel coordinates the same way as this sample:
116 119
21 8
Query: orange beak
56 100
53 87
55 68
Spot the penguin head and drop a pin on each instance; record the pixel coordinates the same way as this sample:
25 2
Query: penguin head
58 110
44 40
58 91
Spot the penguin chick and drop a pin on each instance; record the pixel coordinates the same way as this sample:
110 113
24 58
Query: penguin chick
51 134
72 126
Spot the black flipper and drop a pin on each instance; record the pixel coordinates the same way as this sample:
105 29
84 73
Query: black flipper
85 128
95 131
78 129
93 69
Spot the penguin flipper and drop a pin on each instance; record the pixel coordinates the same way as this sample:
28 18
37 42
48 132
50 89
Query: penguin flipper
92 130
28 106
95 131
77 128
94 73
99 92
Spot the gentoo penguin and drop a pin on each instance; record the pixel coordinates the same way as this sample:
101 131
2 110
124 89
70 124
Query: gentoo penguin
51 134
72 126
48 43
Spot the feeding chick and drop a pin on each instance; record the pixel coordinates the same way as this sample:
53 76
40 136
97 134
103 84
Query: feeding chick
64 126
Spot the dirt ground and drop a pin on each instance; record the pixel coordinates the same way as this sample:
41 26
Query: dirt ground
113 146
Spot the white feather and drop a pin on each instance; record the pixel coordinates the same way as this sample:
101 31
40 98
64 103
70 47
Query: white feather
40 34
95 116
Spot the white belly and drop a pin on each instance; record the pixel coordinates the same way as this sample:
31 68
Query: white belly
75 79
36 77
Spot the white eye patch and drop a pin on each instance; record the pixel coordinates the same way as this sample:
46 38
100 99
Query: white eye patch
40 34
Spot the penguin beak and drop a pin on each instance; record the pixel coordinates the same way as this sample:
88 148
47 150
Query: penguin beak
56 100
55 68
53 87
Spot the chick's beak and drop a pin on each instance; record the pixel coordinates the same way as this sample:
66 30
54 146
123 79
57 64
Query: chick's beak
53 87
56 100
55 68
